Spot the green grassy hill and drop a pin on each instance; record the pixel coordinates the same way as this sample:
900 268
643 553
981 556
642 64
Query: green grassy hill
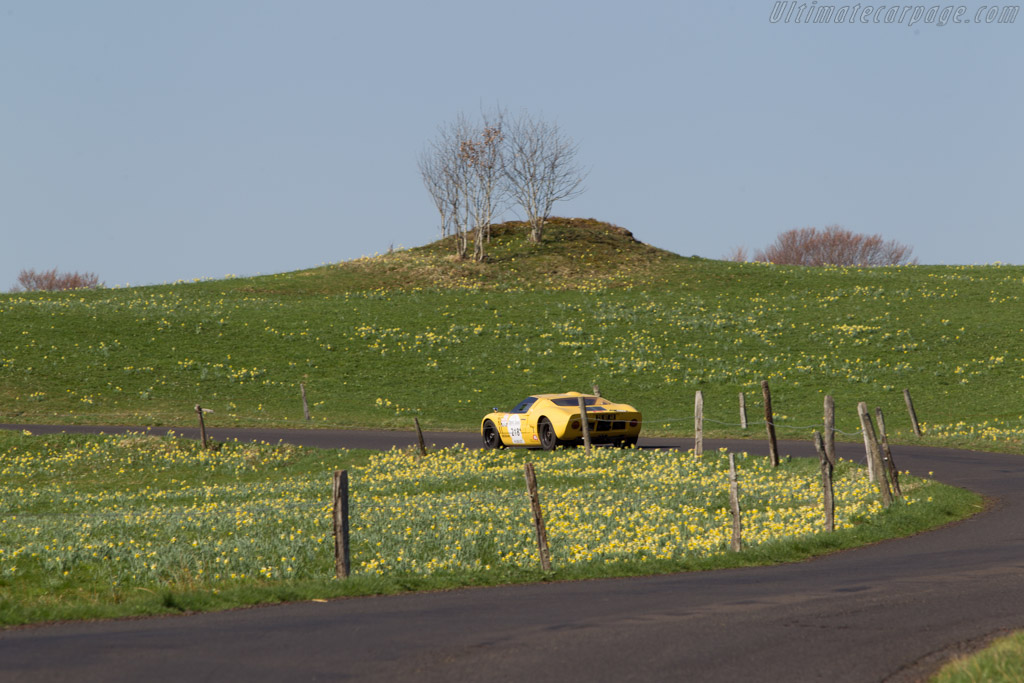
382 339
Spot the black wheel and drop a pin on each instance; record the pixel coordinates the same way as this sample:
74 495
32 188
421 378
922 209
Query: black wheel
628 442
491 437
548 440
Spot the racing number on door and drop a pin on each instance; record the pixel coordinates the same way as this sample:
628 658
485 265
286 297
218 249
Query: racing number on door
515 429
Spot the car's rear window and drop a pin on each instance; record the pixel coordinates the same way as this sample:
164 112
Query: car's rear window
574 401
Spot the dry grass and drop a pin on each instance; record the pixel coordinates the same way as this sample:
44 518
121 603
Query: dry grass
575 253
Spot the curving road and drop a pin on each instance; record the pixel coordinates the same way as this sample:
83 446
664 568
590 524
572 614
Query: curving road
891 611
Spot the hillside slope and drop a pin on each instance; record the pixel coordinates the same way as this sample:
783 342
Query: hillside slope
379 340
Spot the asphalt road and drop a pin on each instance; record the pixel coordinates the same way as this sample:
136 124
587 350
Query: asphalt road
890 611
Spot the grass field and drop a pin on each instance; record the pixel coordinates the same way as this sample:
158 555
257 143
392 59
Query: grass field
105 526
382 339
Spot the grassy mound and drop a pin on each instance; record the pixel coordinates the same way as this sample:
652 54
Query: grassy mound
574 253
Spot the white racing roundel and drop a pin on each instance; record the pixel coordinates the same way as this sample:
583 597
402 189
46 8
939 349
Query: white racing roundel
515 430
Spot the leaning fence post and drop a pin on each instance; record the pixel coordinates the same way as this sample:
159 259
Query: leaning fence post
826 483
913 414
769 419
876 470
736 543
830 430
342 560
202 426
419 435
698 424
869 441
585 425
890 464
538 517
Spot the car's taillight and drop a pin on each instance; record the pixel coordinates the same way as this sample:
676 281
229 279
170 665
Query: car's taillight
575 424
633 422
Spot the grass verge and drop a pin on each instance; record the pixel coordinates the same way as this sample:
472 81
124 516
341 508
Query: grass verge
1001 662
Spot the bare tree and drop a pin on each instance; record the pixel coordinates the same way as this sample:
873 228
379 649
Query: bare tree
441 189
540 167
834 246
463 172
483 156
53 281
446 175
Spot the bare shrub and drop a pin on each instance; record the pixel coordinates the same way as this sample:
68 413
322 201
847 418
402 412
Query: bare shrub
53 281
834 246
737 254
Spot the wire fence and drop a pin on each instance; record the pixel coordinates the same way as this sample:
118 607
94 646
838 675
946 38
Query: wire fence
777 425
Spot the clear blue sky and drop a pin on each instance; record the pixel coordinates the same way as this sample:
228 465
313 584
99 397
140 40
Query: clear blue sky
150 142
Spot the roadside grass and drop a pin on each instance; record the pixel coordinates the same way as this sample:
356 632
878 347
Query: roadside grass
1001 662
115 526
380 340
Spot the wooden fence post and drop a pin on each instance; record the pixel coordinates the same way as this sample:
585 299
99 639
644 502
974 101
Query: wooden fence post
869 444
585 424
910 409
597 391
828 494
538 517
876 470
736 543
743 411
890 464
342 560
419 435
305 405
769 419
698 424
830 430
202 426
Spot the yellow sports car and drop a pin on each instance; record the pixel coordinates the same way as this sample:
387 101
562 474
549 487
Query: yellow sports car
550 420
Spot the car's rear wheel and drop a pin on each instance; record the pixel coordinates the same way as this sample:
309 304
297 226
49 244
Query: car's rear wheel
491 437
628 442
546 431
